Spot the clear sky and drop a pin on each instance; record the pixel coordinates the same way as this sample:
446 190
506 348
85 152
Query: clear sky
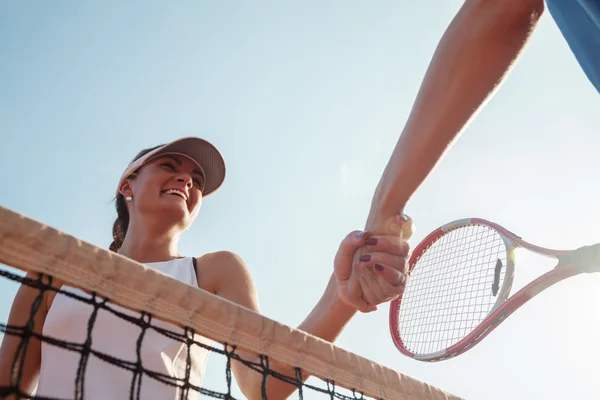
306 101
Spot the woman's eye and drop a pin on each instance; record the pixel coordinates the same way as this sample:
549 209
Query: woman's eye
198 183
169 165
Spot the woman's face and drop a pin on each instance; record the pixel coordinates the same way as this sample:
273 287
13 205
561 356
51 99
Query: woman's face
169 186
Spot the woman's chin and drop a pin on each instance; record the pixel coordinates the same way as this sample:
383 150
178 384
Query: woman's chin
178 213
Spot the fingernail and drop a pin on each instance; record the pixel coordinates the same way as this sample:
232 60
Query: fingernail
365 258
371 241
402 279
378 267
360 234
403 217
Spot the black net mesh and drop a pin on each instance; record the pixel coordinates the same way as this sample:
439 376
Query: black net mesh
221 384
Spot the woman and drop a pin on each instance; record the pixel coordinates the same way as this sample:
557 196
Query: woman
158 198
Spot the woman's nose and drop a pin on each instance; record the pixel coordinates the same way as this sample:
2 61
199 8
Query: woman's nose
185 179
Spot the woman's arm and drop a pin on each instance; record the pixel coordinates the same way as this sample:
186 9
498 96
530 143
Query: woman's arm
327 320
19 315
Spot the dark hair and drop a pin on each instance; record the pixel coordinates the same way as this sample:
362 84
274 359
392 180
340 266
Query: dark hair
122 222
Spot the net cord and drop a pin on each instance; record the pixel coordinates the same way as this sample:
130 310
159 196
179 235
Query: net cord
31 246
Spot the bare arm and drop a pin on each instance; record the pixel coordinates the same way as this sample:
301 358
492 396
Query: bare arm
327 320
19 315
473 57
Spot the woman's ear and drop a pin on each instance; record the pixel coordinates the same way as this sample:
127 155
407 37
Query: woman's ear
125 188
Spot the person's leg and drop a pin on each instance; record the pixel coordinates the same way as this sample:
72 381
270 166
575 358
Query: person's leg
579 22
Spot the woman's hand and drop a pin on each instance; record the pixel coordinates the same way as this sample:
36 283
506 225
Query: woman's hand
372 269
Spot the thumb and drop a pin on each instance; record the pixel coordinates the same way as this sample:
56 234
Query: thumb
347 250
353 241
402 225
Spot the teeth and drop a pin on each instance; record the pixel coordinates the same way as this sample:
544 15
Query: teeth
175 192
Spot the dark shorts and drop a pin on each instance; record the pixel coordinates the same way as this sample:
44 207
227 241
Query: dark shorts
579 21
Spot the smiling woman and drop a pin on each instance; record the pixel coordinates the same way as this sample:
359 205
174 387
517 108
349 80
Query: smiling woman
185 159
158 198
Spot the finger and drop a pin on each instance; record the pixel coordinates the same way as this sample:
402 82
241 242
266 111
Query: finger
357 300
392 277
347 250
355 294
387 244
400 225
407 226
371 292
375 289
354 240
379 290
398 263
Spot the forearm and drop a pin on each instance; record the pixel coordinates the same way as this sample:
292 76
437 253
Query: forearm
330 315
327 320
474 55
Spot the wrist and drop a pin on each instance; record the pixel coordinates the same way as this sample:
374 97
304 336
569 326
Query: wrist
382 217
394 224
336 303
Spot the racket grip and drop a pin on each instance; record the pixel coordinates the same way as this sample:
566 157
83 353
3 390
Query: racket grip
587 258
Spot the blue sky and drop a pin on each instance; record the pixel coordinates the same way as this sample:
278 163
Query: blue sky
306 101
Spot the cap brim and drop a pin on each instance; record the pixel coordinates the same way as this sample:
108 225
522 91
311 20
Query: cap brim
204 153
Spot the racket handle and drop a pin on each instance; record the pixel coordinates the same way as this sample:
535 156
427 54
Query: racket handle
586 258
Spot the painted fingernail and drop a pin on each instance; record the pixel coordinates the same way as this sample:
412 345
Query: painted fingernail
378 267
371 241
360 234
365 258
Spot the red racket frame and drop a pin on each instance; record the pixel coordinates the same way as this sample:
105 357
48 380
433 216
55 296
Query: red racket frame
564 269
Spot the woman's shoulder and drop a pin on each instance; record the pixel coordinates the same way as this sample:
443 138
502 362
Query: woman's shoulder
225 274
218 268
224 257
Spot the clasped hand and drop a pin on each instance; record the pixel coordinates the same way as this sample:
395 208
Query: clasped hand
371 269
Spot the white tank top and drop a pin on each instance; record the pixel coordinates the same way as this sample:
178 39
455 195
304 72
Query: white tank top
67 320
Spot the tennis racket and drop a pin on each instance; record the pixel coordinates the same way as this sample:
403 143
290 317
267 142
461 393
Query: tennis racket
459 287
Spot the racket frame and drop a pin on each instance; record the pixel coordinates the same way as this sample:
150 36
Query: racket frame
504 305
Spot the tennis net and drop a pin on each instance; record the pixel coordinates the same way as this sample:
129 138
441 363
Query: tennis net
198 320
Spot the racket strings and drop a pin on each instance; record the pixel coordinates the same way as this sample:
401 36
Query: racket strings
450 291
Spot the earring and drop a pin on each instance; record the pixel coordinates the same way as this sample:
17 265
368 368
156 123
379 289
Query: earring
128 198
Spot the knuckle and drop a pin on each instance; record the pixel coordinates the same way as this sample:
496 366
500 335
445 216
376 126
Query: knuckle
395 284
388 294
402 264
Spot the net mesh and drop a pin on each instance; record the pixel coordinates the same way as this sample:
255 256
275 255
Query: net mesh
111 286
454 285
